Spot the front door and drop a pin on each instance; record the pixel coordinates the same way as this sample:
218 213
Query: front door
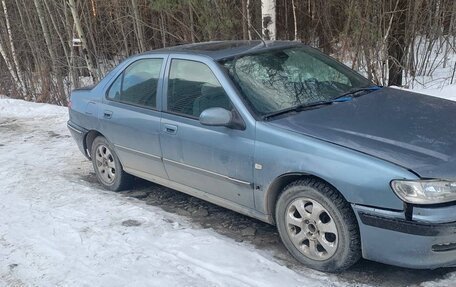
216 160
130 119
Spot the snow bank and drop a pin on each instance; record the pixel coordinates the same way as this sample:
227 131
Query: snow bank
447 92
24 109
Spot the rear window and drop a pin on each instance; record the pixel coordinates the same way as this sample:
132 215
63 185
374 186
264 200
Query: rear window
138 83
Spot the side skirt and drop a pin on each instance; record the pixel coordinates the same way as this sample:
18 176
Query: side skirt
201 194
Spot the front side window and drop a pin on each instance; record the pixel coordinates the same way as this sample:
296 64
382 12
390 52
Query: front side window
280 79
137 85
192 88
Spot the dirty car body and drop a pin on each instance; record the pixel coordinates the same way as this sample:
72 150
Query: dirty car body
390 153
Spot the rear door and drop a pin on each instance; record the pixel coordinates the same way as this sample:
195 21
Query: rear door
216 160
130 119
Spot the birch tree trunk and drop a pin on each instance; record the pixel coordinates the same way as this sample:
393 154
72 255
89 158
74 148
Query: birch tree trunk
192 22
249 21
162 30
73 71
20 77
138 26
90 35
9 66
27 24
295 20
59 97
65 45
268 17
244 22
82 37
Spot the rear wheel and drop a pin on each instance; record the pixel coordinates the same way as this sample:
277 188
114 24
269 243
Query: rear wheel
107 166
317 226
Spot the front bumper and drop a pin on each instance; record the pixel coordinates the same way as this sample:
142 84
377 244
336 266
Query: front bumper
425 242
78 133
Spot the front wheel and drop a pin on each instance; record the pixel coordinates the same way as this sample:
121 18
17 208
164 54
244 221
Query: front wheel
317 226
107 166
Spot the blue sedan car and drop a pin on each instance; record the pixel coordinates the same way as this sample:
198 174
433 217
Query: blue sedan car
283 133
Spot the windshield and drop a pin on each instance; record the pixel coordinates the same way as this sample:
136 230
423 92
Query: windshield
281 79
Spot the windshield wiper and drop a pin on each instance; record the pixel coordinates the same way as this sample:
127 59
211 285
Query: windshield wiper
355 92
342 98
345 97
299 108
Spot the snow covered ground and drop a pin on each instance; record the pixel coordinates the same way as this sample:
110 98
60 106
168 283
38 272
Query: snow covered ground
446 92
57 229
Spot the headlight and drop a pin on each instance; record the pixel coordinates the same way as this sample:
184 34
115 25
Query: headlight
425 191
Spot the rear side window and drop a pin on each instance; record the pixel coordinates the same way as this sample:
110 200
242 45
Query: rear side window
192 88
138 83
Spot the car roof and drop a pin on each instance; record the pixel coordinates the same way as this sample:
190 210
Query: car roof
219 50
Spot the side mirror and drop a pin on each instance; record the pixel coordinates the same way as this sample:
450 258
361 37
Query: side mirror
222 118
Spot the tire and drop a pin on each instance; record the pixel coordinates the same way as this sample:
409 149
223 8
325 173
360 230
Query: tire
107 166
318 226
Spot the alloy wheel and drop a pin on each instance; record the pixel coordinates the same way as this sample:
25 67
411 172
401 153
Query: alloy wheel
105 164
311 229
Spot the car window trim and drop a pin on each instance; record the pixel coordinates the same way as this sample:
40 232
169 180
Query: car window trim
243 100
122 74
165 95
181 115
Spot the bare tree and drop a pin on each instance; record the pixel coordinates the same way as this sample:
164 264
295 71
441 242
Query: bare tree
82 37
396 44
138 26
295 20
268 16
390 41
18 70
59 95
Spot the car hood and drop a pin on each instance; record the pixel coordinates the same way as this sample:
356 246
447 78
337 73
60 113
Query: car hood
415 131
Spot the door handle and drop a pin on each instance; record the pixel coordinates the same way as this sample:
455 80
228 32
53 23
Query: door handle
170 129
107 114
